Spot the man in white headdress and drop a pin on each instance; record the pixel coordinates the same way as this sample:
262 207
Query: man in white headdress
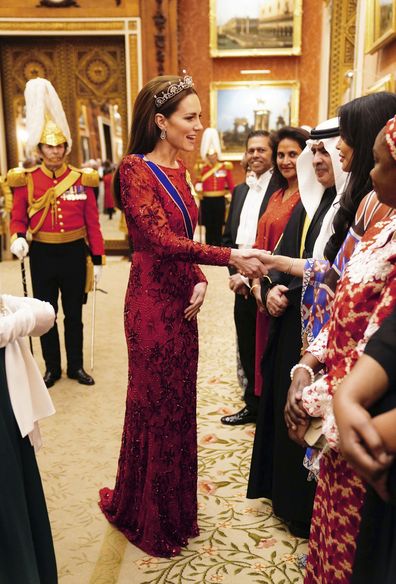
277 470
215 182
319 169
54 207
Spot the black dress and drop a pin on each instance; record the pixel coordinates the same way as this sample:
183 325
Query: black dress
375 559
26 551
277 470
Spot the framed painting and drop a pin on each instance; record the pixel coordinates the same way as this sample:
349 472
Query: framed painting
237 108
381 23
255 27
387 83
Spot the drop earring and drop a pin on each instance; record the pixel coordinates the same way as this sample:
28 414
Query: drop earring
163 134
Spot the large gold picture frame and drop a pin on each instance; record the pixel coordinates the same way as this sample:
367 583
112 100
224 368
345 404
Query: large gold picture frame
386 83
381 23
255 28
237 108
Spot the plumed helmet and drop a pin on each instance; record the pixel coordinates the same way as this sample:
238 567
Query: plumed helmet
46 121
210 143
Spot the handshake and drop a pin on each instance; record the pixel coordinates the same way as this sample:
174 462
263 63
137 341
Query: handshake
252 263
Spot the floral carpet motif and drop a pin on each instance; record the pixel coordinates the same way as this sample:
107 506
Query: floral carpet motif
240 541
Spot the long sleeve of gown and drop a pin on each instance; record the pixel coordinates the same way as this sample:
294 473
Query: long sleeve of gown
142 203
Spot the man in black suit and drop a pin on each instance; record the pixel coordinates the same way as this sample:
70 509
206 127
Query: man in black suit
248 203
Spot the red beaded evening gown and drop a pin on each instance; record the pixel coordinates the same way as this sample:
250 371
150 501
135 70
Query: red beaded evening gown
154 502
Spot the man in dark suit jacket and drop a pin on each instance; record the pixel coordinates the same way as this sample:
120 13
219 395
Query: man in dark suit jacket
248 203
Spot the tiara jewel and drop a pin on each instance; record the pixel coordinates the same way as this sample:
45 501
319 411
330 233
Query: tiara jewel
174 89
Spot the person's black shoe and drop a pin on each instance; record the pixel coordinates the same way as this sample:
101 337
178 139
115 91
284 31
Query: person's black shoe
81 376
299 529
50 377
244 416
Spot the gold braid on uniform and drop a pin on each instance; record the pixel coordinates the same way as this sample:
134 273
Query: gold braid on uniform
47 201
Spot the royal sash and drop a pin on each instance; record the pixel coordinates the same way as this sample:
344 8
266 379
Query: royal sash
209 173
173 193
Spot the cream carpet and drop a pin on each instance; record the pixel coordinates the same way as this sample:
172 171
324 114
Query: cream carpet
241 541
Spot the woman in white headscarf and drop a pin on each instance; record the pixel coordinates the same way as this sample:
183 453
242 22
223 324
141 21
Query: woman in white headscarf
26 551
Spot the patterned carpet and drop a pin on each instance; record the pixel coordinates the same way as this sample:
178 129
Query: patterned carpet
241 541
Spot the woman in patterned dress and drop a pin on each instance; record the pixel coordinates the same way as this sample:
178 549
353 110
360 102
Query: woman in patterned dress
154 502
365 296
366 437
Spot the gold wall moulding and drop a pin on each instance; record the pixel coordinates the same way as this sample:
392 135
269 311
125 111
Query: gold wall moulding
380 24
237 108
343 28
134 67
34 26
386 83
243 29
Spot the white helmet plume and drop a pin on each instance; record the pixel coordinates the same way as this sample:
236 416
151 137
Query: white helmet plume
210 143
43 104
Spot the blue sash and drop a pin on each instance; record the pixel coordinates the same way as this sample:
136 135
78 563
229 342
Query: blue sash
173 193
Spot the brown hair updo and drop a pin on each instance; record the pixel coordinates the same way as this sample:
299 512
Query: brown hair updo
144 131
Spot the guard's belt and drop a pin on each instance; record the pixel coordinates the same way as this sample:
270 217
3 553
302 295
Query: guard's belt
60 237
214 193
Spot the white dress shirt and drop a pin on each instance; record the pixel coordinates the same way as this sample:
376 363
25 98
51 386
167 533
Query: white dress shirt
247 229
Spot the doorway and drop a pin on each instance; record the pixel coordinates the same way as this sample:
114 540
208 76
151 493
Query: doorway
89 75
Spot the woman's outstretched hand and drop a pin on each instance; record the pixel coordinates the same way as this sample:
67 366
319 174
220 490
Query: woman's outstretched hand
196 300
247 262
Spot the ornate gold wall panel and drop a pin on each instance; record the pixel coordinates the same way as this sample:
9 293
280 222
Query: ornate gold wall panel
79 71
86 9
343 24
60 26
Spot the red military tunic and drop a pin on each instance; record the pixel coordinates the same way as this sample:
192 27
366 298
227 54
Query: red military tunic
70 210
216 181
219 181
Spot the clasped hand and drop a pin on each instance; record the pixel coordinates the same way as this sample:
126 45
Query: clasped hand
277 302
249 262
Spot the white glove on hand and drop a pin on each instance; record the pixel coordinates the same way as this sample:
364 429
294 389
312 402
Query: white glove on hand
97 273
20 247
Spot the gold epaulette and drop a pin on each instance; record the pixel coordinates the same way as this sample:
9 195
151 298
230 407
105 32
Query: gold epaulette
228 165
89 176
198 166
16 177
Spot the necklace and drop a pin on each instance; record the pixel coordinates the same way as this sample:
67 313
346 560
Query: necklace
288 193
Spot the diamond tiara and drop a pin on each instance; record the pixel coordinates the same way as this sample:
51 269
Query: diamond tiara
173 89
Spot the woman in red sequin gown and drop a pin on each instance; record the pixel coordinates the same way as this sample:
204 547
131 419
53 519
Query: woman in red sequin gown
154 502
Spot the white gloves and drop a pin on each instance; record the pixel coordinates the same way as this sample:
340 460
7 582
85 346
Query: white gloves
20 247
97 273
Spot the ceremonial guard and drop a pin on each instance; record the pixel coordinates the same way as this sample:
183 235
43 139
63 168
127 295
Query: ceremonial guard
215 181
5 209
55 209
